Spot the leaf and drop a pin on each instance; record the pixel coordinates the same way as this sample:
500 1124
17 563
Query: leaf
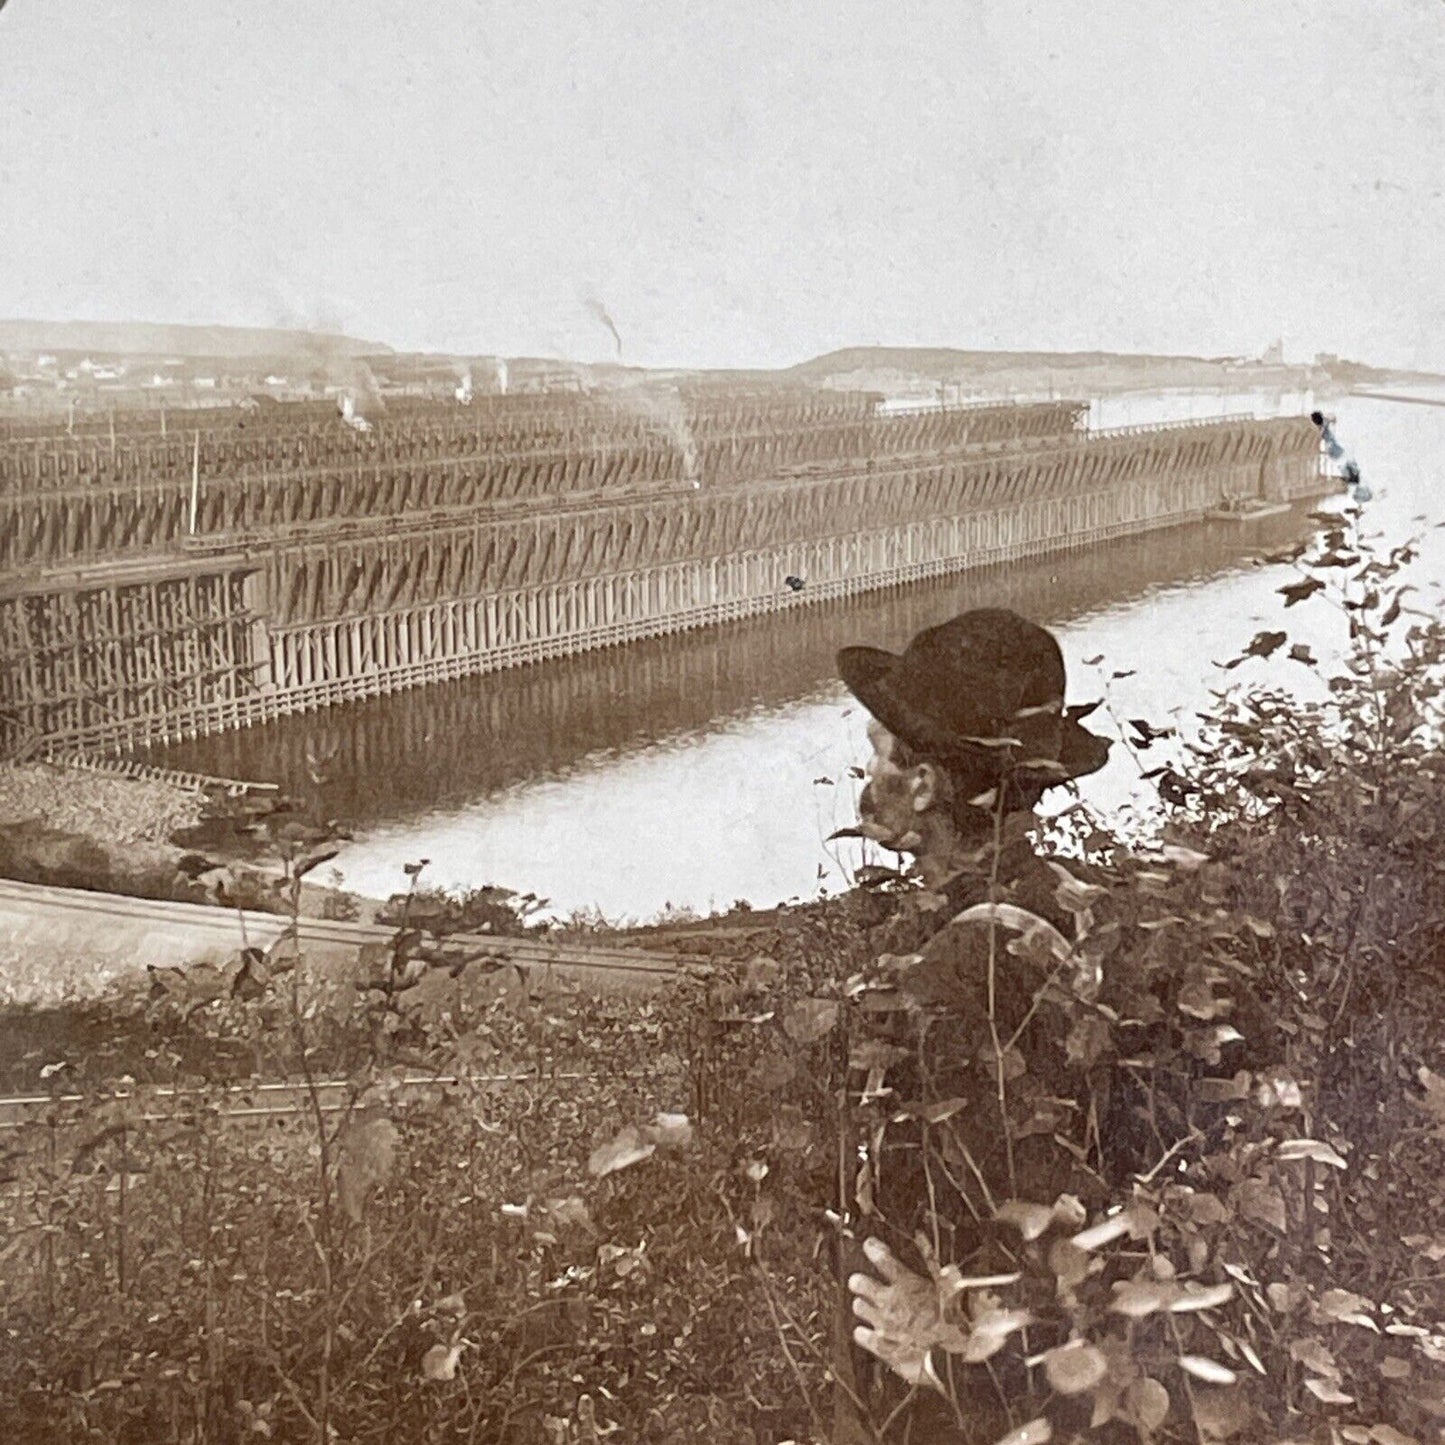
988 1334
1088 1040
1388 1435
1073 1368
1262 1203
871 1054
1073 895
1210 1371
773 1072
1015 1065
1204 1209
440 1362
1069 1263
1147 733
368 1155
308 862
1196 1297
874 875
1115 1227
1252 1355
791 1129
1036 1432
1328 1392
669 1131
1434 1101
1010 915
1031 1220
1221 1413
1225 1091
934 1113
433 997
1206 1044
1293 592
1139 1298
762 972
1313 1355
1278 1089
1265 644
1146 1405
1197 999
627 1148
1294 1149
1347 1308
810 1019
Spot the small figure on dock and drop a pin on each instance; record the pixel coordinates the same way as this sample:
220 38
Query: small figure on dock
1349 468
794 584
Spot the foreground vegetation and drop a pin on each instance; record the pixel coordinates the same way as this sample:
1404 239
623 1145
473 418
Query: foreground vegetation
610 1217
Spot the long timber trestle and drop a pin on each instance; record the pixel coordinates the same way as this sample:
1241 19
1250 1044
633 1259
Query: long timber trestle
161 585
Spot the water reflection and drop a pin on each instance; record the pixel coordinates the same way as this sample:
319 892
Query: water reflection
391 758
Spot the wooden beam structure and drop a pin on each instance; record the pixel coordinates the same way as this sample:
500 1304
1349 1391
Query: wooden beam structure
165 584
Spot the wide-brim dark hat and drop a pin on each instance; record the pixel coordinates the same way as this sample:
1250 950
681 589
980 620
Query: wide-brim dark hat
985 686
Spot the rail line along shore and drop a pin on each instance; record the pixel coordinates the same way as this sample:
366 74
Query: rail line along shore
162 585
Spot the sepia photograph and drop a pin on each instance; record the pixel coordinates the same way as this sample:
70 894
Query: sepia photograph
722 723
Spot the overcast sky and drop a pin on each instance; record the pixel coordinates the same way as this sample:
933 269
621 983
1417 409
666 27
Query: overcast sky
743 182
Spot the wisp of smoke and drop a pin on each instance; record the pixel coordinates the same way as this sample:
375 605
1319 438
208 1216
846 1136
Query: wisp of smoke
601 313
665 407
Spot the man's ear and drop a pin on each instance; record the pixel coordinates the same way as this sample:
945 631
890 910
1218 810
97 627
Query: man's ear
925 787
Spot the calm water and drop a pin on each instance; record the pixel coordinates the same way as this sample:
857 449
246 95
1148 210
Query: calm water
691 772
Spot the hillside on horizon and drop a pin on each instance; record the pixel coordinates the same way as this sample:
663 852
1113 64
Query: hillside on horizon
899 368
952 359
144 338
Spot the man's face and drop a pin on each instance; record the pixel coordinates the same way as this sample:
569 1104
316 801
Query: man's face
887 806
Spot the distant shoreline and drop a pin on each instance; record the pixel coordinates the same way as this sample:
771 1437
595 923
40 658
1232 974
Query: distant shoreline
118 364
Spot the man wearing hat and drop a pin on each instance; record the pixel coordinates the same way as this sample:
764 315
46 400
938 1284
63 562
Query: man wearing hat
968 725
969 729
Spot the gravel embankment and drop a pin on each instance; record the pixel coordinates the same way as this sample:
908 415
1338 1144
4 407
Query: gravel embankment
92 805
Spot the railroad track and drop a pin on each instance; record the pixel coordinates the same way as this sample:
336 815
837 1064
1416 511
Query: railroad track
41 923
256 1102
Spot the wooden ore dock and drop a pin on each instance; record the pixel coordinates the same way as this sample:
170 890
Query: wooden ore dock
231 566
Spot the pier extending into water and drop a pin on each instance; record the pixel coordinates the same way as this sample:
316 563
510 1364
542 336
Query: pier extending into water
167 584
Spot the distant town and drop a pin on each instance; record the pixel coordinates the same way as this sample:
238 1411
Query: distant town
58 367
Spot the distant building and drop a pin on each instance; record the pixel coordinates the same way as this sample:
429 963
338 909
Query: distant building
1274 355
